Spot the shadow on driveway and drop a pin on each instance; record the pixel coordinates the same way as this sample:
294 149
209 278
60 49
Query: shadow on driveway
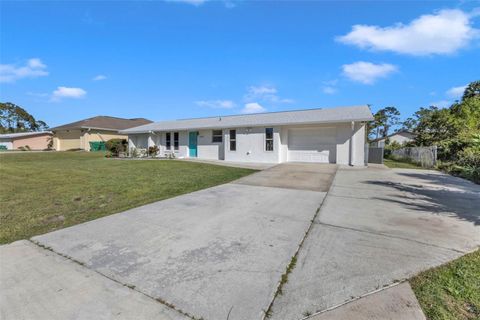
438 194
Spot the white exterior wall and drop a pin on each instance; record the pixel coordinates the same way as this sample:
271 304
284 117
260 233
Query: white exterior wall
283 149
251 145
206 149
138 141
344 131
7 143
359 145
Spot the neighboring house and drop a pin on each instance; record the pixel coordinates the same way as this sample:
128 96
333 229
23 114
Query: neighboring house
316 135
78 135
400 137
34 140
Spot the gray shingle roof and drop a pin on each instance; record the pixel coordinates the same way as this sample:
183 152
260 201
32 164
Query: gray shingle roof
310 116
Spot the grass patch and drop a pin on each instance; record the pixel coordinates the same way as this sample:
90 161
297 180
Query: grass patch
451 291
41 192
391 163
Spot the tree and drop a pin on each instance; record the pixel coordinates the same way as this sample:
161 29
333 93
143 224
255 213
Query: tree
14 118
434 125
383 121
472 90
409 124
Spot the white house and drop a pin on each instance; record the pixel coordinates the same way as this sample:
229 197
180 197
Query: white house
400 137
335 135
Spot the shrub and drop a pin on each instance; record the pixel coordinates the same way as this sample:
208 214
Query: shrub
152 151
115 146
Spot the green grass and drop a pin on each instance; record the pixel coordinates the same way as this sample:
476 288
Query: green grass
41 192
451 291
400 164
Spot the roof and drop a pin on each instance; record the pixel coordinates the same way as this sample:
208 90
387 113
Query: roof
309 116
22 134
104 122
401 132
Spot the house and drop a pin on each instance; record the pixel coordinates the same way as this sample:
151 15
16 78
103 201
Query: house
334 135
30 140
401 137
79 134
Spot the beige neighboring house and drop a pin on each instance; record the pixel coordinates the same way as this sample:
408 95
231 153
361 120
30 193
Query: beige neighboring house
79 134
32 140
400 137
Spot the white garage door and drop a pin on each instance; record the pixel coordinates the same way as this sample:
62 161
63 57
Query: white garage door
312 144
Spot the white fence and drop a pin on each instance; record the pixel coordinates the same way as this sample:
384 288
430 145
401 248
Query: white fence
425 156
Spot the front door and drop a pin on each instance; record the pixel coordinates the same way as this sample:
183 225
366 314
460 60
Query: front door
192 144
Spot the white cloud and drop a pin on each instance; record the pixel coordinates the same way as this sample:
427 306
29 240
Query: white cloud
253 107
66 92
329 90
216 104
264 93
32 69
441 103
330 86
444 32
99 77
456 92
367 72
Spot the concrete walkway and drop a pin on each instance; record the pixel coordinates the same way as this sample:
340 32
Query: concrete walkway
376 227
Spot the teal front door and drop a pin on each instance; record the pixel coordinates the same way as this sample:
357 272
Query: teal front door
192 144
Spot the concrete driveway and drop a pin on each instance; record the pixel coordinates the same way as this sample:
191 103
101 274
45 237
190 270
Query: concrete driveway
376 228
220 253
210 253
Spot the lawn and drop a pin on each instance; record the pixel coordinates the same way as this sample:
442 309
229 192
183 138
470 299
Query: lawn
400 164
41 192
451 291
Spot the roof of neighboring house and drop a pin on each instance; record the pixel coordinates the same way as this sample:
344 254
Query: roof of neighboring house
309 116
401 132
23 134
104 123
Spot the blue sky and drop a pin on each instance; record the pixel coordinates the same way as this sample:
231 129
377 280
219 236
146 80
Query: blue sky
65 61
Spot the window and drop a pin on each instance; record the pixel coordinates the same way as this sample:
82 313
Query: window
233 140
217 135
268 139
169 141
175 140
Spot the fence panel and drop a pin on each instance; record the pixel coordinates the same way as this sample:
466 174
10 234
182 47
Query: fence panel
375 155
425 156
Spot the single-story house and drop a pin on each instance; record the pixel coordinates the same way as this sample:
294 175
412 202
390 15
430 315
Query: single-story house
401 137
335 135
32 140
79 134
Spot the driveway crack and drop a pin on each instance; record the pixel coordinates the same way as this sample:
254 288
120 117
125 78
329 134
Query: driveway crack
291 265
